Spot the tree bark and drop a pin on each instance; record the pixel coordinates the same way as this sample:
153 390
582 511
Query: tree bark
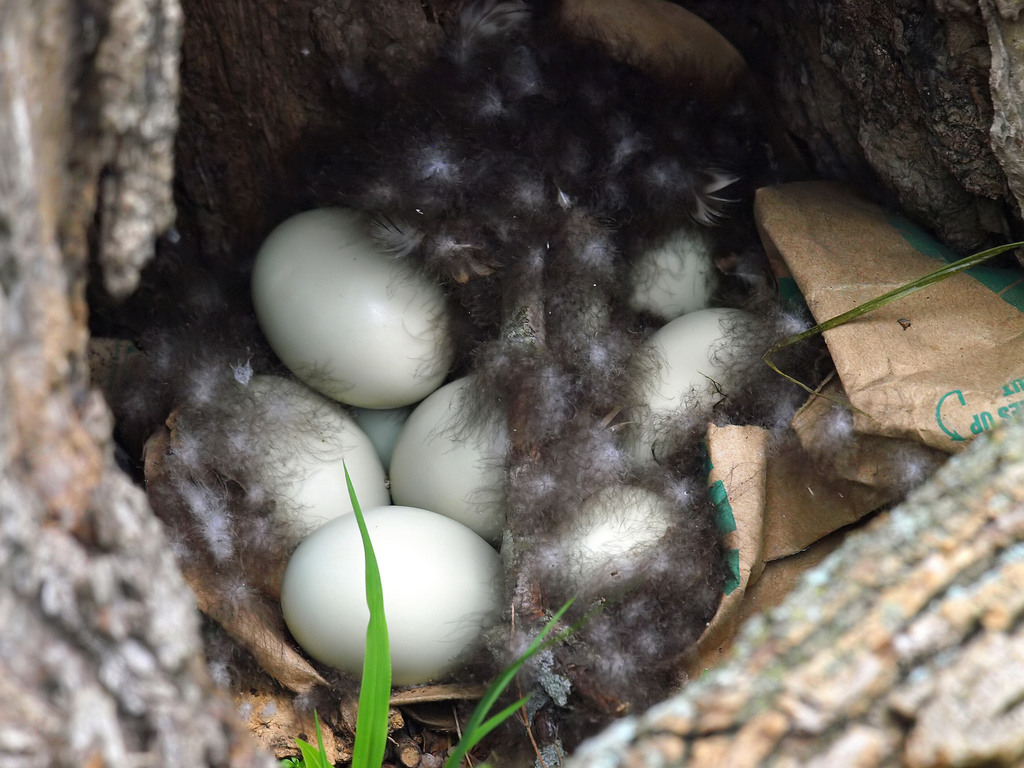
916 102
100 656
265 96
904 647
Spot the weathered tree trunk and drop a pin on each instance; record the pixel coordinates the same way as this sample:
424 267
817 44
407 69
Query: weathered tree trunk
904 647
100 658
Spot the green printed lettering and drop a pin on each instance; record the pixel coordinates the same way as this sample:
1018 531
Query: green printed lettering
981 422
720 498
732 579
952 433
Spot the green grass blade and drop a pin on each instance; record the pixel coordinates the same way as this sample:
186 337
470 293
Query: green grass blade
880 301
322 753
479 725
494 721
375 690
312 757
505 678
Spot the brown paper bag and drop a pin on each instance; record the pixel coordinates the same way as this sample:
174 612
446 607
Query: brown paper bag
772 507
805 501
738 456
887 464
938 366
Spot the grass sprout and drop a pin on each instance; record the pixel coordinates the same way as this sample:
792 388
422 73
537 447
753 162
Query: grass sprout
375 690
880 301
312 757
479 724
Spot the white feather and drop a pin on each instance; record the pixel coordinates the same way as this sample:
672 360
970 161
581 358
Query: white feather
395 237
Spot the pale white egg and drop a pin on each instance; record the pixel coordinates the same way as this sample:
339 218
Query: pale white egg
441 583
675 277
382 426
353 322
615 527
451 465
691 360
305 440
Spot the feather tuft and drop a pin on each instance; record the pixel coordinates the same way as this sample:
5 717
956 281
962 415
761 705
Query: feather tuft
395 236
483 22
437 165
708 205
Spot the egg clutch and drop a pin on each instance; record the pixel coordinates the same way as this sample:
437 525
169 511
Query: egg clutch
368 331
522 287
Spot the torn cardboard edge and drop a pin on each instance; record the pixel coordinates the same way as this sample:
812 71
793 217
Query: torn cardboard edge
775 501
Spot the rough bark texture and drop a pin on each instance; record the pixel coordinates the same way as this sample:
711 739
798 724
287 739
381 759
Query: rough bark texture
1006 39
905 647
896 97
100 658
